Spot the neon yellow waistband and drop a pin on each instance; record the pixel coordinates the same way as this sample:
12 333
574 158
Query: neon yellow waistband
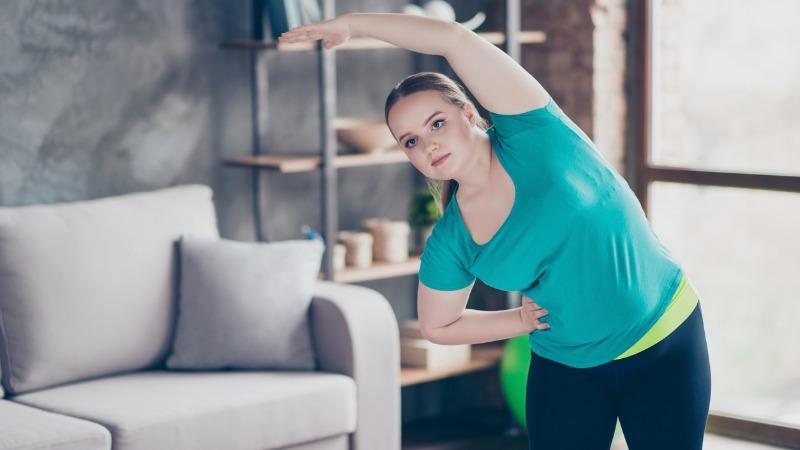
680 308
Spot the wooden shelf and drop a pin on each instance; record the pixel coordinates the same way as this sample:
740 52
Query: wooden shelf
495 37
309 162
484 356
377 271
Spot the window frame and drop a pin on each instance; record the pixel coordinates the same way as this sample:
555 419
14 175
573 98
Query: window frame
641 173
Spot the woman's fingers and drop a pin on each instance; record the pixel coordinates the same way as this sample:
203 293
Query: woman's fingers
528 300
540 313
532 313
302 32
311 29
531 305
333 32
295 37
304 36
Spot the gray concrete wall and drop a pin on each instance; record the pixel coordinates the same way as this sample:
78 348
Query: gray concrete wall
103 98
100 98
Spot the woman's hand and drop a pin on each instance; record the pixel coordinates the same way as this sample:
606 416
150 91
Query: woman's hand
333 32
530 313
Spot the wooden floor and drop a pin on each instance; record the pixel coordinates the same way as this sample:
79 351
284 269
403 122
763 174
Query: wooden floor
480 430
491 430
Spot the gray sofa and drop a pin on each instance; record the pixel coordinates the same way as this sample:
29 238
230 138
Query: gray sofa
87 311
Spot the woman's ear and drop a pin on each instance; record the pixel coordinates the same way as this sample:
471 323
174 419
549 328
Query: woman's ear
470 112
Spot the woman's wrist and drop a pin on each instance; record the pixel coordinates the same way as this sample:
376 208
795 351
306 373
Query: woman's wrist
347 20
527 327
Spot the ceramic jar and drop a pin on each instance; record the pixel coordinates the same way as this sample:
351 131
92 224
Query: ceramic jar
358 244
339 252
390 239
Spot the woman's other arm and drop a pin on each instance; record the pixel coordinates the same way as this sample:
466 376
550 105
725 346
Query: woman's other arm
498 82
476 327
444 319
417 33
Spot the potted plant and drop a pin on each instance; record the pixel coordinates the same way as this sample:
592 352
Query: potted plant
424 214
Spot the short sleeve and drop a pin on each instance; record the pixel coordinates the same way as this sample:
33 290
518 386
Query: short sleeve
509 125
440 268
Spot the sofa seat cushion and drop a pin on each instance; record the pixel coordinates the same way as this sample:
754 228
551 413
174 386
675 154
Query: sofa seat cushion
209 410
23 427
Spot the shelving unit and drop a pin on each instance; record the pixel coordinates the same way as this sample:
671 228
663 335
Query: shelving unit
307 163
377 271
484 356
328 161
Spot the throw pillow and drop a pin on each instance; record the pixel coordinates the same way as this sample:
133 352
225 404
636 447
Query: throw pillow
244 305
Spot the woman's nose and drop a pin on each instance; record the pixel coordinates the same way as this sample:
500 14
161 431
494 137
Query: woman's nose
432 147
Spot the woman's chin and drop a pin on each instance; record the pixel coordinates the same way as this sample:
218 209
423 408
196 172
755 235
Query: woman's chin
444 170
440 175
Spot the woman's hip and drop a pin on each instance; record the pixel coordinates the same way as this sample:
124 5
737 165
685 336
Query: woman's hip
683 352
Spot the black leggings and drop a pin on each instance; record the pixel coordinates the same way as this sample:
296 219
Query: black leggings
661 396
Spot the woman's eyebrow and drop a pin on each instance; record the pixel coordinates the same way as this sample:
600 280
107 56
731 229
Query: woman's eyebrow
423 124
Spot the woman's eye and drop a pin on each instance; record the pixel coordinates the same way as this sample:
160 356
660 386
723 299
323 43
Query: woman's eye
434 122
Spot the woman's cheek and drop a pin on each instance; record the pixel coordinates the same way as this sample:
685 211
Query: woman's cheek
419 164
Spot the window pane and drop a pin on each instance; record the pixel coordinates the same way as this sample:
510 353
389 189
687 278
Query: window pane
741 249
727 85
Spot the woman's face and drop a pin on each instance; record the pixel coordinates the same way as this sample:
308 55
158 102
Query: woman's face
427 127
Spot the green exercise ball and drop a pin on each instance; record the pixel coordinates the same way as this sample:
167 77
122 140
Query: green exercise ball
514 366
514 375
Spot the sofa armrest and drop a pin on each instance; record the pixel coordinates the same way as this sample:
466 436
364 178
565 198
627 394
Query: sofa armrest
356 334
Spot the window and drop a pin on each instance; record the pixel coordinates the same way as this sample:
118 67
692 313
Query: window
716 157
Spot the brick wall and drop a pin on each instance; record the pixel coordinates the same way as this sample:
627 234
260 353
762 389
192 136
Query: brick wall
582 64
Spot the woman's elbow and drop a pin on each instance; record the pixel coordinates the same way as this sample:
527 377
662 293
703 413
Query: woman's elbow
429 333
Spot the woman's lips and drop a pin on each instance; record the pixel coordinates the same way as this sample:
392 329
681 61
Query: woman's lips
441 160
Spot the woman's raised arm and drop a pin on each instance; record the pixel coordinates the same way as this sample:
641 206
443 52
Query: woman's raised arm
498 82
416 33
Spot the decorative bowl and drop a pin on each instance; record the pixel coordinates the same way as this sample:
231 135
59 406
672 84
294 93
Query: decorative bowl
365 135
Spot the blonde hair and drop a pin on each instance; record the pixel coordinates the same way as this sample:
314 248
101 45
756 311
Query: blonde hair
451 91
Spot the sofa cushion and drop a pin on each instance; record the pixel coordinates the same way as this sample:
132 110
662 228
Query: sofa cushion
88 288
209 410
245 305
23 427
340 442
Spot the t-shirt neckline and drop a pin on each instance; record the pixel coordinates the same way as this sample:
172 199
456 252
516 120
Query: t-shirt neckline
504 225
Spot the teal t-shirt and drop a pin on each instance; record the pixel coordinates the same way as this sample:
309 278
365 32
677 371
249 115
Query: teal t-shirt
576 241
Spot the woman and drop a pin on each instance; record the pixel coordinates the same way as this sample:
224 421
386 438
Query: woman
535 208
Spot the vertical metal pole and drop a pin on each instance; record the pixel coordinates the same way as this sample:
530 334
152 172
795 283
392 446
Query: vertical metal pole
327 88
259 84
512 47
512 26
255 173
652 83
